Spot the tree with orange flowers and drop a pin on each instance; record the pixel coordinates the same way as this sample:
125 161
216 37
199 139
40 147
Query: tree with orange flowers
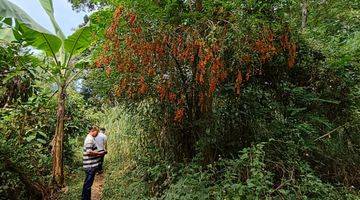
184 66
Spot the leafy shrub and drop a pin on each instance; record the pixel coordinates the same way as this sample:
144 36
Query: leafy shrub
27 125
274 169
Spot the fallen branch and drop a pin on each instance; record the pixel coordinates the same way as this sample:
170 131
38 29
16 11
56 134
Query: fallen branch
328 134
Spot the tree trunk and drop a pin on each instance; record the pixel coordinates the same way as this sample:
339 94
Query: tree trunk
57 149
304 12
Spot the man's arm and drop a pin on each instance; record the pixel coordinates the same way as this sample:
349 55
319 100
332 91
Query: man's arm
92 153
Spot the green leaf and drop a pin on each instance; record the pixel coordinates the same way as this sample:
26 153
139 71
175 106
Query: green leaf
81 64
326 100
10 10
7 21
7 34
295 111
78 41
30 31
42 134
11 75
30 138
49 8
48 43
41 141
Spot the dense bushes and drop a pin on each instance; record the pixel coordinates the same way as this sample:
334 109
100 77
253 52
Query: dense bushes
288 130
27 122
27 132
272 169
297 137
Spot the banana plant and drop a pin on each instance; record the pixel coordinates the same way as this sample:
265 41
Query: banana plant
17 25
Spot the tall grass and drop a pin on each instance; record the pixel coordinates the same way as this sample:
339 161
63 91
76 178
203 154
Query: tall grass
122 134
74 173
119 161
127 176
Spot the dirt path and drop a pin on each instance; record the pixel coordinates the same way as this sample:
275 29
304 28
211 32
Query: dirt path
97 187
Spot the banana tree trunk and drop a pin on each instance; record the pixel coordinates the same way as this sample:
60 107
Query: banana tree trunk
57 152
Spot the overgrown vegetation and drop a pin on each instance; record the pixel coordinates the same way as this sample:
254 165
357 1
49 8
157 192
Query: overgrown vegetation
27 125
201 99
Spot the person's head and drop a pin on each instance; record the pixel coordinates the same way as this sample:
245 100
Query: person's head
102 130
94 131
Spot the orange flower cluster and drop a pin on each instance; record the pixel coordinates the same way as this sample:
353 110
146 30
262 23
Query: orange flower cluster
104 60
179 115
178 64
132 19
111 31
292 55
142 61
265 46
172 97
143 86
210 67
238 82
290 47
162 91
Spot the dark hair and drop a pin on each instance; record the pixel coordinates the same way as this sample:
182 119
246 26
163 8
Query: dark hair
102 129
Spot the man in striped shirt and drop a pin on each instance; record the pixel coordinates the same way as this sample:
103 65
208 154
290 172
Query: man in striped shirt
91 161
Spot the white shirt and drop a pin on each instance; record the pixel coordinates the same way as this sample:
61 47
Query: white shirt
90 145
100 141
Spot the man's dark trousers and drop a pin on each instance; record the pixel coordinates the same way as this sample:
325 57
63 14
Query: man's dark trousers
101 164
89 180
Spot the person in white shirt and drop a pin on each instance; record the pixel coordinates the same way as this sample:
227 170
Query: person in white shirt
101 144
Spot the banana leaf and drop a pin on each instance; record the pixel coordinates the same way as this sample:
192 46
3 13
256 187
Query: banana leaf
28 30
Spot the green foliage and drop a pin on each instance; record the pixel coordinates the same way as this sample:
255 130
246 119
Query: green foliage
288 134
87 4
122 140
27 119
27 131
60 52
335 23
252 173
17 72
74 186
79 41
59 49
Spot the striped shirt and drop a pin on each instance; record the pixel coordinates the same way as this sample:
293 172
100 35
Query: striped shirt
90 145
